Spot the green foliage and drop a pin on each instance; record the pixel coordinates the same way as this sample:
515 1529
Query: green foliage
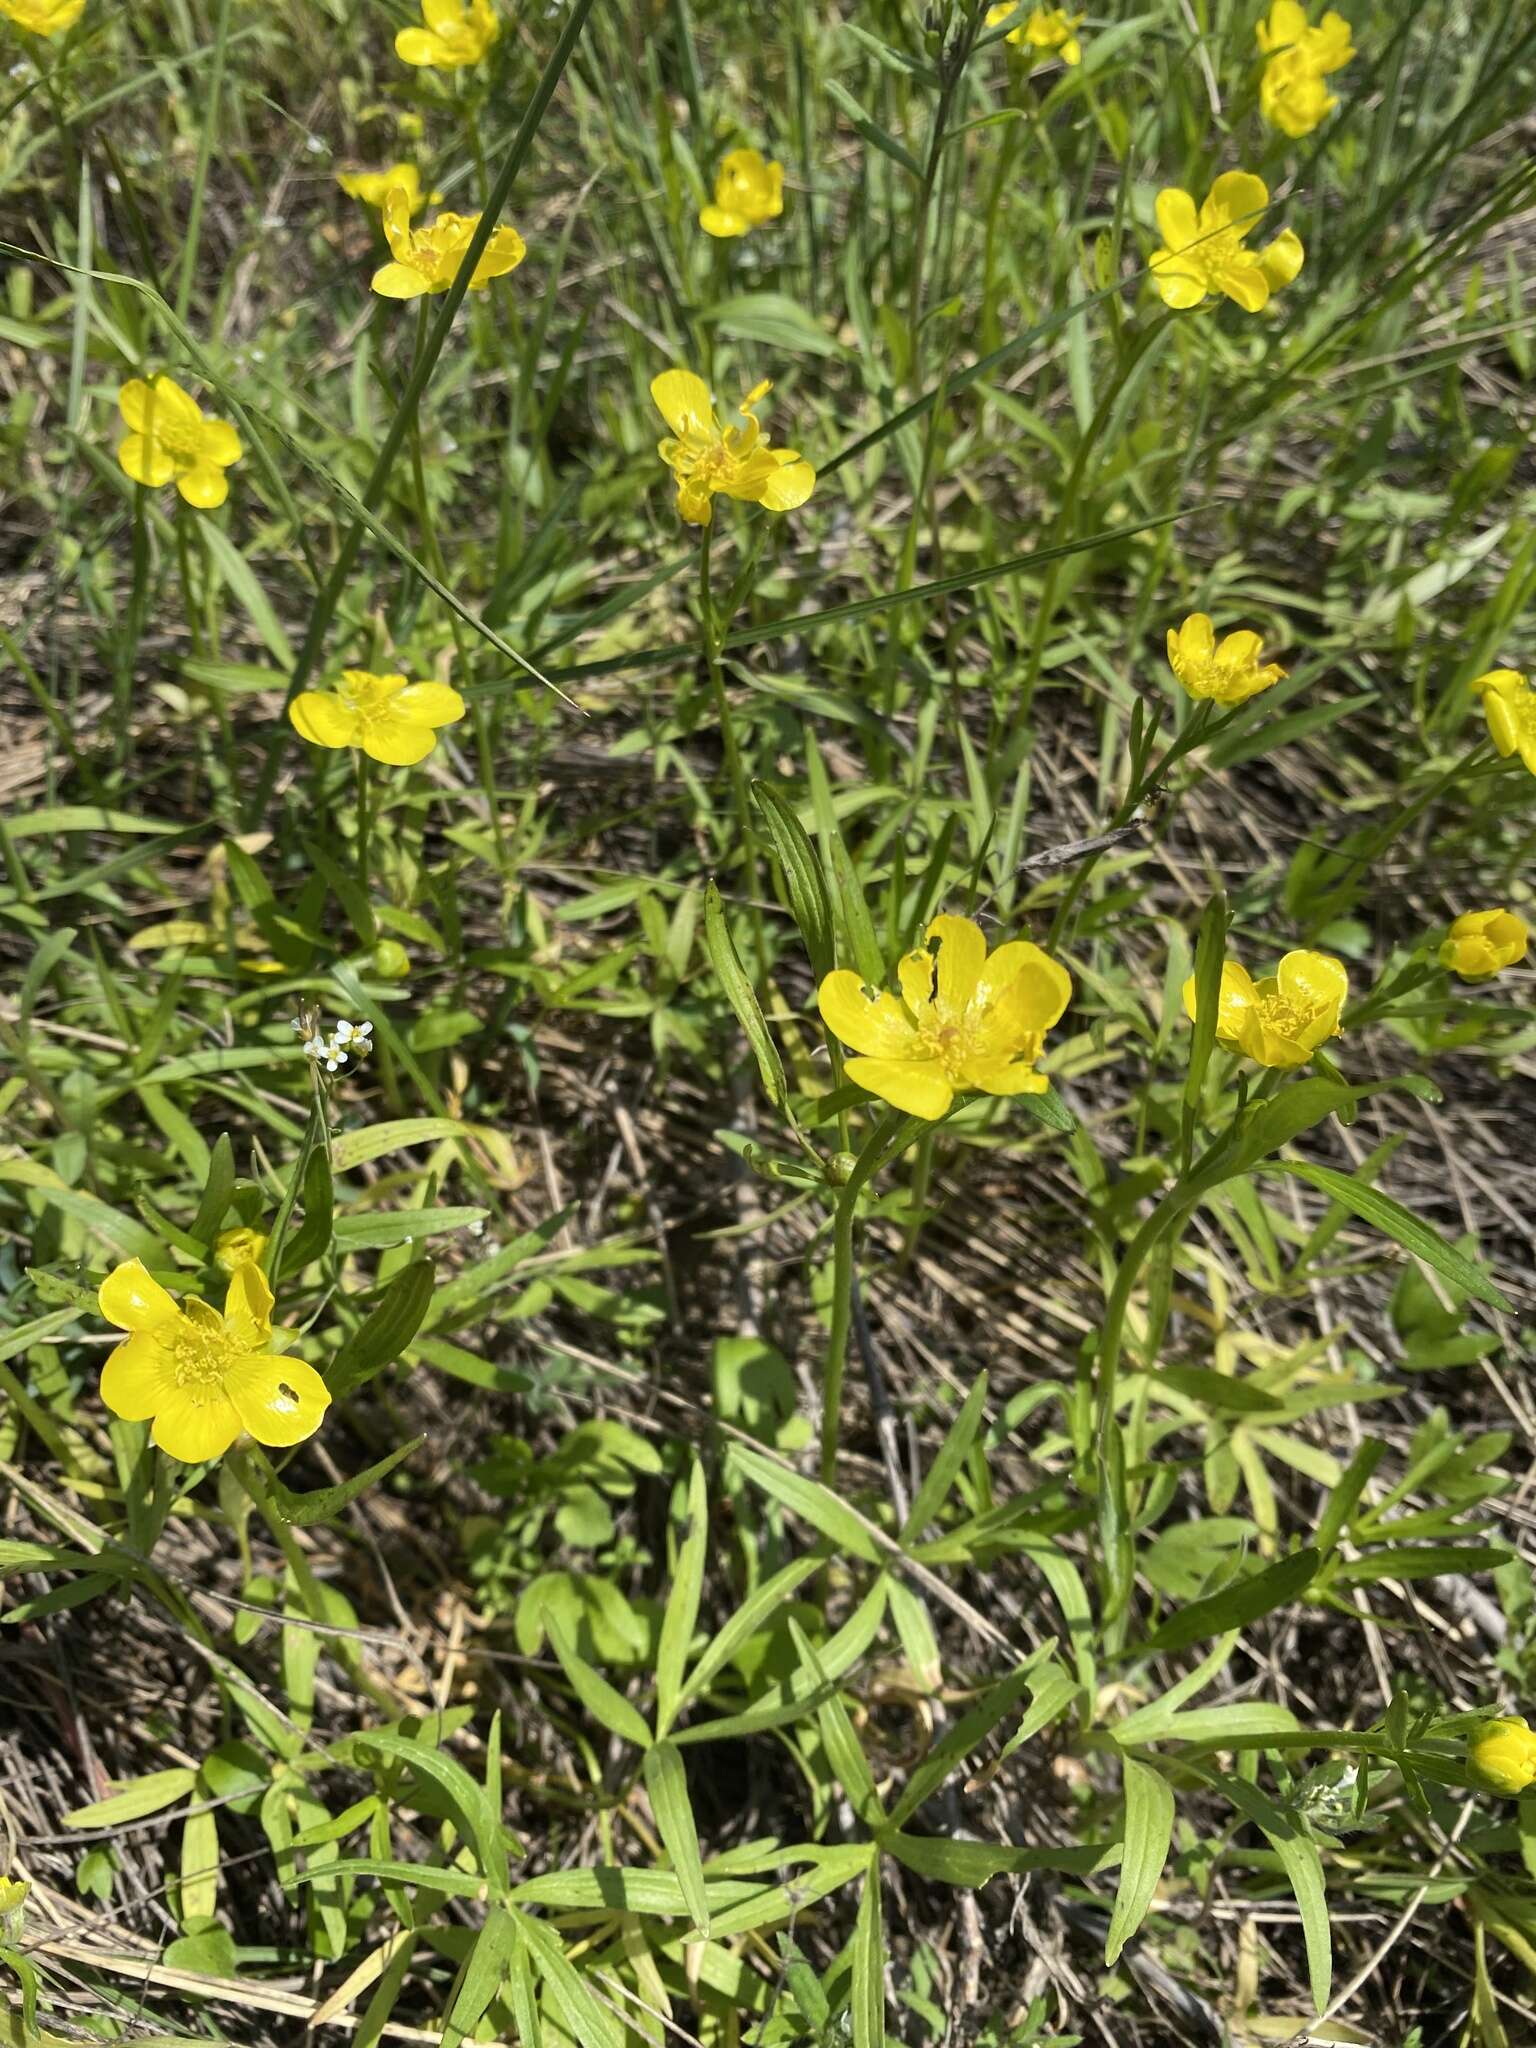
774 1568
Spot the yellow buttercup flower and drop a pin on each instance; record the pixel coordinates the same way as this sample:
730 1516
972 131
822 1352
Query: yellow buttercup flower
964 1020
1283 1019
427 259
1047 28
170 440
201 1376
748 191
391 719
457 32
238 1247
1292 95
374 187
706 457
1205 250
1285 31
1501 1755
1509 705
43 17
1484 942
1230 673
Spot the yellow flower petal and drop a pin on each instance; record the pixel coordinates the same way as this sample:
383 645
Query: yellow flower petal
1313 980
138 1378
220 443
501 255
431 704
790 485
1177 220
1238 649
683 400
1179 286
1033 1000
398 742
194 1429
396 281
962 953
1246 285
720 222
873 1025
133 402
1284 26
420 47
1238 197
1192 645
1282 260
321 718
1006 1077
279 1400
145 461
917 1087
204 487
131 1298
915 978
248 1306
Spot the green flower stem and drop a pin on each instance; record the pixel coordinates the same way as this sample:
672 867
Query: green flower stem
891 1136
480 716
1189 1189
364 816
132 630
194 230
316 1128
714 630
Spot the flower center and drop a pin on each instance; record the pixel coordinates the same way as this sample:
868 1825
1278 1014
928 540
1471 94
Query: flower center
176 438
1288 1018
367 697
201 1354
948 1043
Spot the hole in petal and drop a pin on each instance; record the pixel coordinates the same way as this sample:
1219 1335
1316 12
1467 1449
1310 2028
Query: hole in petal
285 1401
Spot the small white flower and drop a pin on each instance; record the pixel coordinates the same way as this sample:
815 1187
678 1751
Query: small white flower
357 1036
298 1023
316 1047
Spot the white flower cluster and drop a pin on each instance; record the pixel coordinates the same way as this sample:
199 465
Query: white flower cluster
353 1039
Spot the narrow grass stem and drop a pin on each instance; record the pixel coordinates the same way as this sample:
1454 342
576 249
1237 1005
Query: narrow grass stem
888 1138
194 229
714 629
364 817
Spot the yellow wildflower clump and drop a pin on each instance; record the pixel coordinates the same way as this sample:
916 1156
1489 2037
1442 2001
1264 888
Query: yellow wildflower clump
374 187
1501 1755
200 1376
706 457
1509 705
456 33
1292 94
1230 673
1484 942
169 441
1049 29
1283 1019
43 17
1205 249
393 720
748 191
427 259
964 1019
